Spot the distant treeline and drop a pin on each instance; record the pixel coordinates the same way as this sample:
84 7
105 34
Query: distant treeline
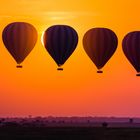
69 128
69 122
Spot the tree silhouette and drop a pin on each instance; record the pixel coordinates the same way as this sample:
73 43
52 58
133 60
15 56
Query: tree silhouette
131 120
104 124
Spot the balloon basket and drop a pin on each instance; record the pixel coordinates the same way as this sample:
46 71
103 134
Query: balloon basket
99 71
60 69
138 74
19 66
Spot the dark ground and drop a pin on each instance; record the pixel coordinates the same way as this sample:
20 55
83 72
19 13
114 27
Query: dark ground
68 133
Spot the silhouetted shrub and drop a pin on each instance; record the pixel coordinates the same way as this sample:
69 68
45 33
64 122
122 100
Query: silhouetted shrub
131 120
104 124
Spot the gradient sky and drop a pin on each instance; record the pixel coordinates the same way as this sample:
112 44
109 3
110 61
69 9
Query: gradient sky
39 89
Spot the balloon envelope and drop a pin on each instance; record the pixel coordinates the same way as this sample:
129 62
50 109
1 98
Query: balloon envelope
131 48
100 44
60 41
19 39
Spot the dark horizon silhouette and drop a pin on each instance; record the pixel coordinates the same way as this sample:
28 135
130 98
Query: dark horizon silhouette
71 128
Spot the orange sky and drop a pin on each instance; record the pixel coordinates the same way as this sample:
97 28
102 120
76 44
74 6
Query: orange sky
39 89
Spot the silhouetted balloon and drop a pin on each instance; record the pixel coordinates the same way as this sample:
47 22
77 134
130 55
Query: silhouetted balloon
60 41
131 49
19 39
100 44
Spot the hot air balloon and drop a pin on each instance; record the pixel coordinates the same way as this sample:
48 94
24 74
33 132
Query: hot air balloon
60 41
19 38
131 49
100 44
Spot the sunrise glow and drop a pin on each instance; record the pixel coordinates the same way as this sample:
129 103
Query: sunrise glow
39 89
